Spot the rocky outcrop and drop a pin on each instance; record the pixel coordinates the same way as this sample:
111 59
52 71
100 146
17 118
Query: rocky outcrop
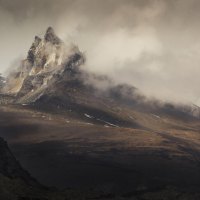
32 50
2 82
51 37
48 60
10 167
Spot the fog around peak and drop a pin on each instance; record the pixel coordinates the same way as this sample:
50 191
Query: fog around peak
153 45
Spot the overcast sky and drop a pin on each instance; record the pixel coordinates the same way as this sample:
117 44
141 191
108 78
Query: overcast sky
151 44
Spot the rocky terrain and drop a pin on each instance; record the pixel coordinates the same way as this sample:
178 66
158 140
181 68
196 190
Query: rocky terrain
15 182
94 142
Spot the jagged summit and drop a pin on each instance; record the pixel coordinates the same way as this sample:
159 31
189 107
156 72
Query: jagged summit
47 58
37 40
31 52
50 36
50 30
40 45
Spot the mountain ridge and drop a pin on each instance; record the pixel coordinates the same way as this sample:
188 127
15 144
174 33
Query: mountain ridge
51 66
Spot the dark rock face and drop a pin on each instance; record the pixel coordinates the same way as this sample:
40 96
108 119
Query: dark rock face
2 82
10 167
47 59
31 52
51 37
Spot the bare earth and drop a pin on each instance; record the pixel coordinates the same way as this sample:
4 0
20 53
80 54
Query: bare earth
66 152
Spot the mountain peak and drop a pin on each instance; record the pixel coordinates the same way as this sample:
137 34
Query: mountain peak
37 40
50 36
47 58
50 29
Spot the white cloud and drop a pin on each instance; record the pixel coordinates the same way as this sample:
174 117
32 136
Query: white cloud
152 44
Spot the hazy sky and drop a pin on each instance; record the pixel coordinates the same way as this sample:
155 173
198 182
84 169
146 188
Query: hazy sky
151 44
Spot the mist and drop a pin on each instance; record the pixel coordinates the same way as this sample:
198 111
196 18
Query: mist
153 45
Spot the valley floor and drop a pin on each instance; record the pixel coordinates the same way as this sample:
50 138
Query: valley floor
159 161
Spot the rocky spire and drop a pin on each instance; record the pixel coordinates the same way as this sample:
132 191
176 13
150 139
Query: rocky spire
2 82
31 52
50 36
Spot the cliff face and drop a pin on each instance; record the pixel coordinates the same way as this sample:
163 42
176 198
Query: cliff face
47 58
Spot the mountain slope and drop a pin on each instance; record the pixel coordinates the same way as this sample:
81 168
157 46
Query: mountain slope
71 128
9 166
14 180
52 78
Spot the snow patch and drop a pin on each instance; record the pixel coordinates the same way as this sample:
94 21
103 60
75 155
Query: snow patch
88 116
108 123
89 124
131 117
37 98
156 116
